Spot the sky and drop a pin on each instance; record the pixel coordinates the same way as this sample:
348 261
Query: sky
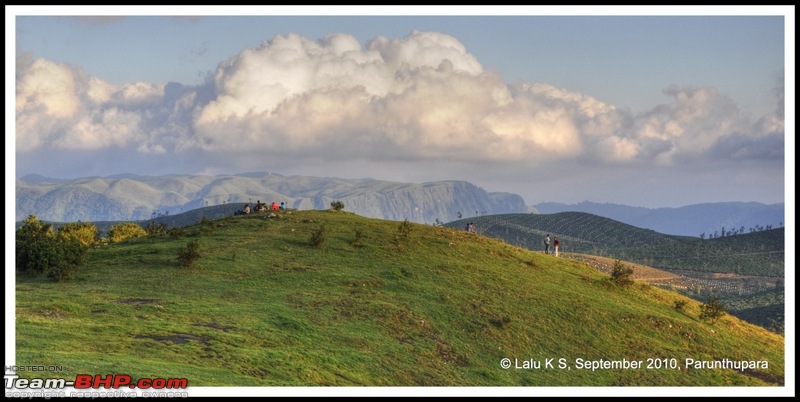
652 107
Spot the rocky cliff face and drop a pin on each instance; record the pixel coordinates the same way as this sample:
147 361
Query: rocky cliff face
143 197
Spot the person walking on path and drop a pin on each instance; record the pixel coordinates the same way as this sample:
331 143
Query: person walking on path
547 244
555 245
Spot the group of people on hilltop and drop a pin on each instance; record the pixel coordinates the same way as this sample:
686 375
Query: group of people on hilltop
547 245
263 207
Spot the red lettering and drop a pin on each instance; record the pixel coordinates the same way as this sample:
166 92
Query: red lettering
83 381
121 380
105 382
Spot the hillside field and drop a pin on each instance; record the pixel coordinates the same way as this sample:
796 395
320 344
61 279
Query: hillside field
378 303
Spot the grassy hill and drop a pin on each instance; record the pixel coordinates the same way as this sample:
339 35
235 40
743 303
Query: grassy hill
757 254
374 305
733 267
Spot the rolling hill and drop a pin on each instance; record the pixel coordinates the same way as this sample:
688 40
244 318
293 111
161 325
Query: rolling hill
690 220
757 254
735 267
378 303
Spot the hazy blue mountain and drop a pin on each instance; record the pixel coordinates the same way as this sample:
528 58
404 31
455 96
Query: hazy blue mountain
690 220
134 197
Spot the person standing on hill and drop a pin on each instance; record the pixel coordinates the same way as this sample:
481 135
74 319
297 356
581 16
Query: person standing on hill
547 244
555 245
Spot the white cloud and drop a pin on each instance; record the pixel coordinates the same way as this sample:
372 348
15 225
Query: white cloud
422 97
58 106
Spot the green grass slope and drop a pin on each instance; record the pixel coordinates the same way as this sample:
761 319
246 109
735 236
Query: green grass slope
438 307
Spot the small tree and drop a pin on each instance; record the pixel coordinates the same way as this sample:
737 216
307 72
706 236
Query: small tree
189 255
318 237
337 205
712 310
622 274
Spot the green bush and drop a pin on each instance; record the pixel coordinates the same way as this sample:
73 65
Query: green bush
403 233
622 274
318 237
86 232
188 256
67 255
712 310
123 231
155 229
680 305
39 250
360 237
176 233
31 246
337 205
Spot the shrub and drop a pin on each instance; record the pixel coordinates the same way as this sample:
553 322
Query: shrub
67 255
85 232
39 250
500 323
31 245
189 255
359 238
622 274
712 310
123 231
337 205
176 233
318 237
680 305
404 230
155 229
403 233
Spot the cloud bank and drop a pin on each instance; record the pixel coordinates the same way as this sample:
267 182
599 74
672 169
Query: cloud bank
422 98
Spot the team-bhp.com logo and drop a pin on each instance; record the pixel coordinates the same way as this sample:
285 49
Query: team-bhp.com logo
30 387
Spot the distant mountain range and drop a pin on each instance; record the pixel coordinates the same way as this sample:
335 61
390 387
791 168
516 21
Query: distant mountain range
690 220
132 197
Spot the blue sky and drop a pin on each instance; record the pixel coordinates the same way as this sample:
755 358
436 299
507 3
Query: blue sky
620 105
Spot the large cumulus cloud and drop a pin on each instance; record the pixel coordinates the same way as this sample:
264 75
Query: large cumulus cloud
423 97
